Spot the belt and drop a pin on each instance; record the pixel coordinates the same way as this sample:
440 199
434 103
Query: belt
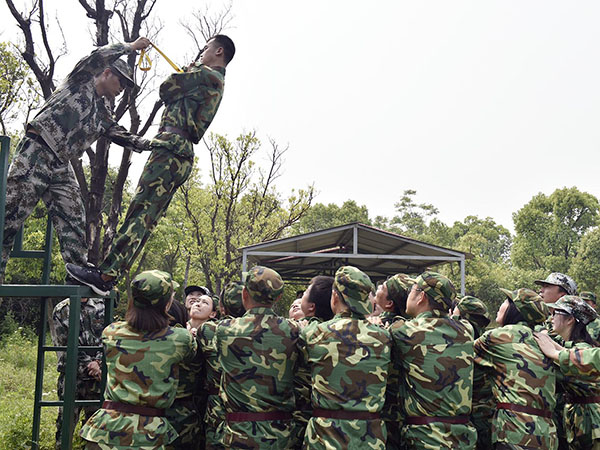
133 409
584 400
175 130
424 420
258 416
345 415
525 409
34 136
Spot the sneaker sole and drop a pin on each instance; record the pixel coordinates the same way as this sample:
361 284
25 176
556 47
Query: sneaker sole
90 285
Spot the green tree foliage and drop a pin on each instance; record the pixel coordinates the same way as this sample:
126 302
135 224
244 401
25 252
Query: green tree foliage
321 216
549 228
586 264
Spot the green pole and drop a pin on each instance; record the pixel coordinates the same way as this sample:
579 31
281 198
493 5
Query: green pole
4 150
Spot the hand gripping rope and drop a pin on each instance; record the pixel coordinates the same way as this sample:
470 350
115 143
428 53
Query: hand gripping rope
145 64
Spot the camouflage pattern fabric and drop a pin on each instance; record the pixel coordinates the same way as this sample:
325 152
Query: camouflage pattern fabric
354 287
214 417
183 417
562 280
257 353
438 288
435 354
589 296
191 101
577 307
36 173
395 395
75 116
348 358
152 287
593 329
264 285
387 317
582 363
581 421
303 389
521 375
232 299
163 174
530 305
141 370
398 288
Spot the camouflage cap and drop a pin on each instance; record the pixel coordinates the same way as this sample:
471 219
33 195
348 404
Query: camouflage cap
264 285
439 288
124 72
562 280
577 307
398 287
589 296
474 310
152 287
354 285
231 297
530 305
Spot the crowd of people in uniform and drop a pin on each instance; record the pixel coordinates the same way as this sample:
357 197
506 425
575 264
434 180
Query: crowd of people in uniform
404 365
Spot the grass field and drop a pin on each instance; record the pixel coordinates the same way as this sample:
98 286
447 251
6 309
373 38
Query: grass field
18 352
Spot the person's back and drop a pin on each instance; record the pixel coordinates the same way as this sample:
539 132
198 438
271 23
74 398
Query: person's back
523 378
435 355
257 354
348 359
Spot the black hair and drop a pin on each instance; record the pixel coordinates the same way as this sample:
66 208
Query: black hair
228 46
512 314
149 317
320 295
579 333
178 314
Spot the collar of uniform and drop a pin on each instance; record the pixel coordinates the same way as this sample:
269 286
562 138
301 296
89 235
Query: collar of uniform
259 310
431 314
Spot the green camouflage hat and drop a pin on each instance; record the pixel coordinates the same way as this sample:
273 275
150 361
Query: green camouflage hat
439 288
264 285
152 287
589 296
398 288
474 310
530 305
354 285
124 72
232 299
577 307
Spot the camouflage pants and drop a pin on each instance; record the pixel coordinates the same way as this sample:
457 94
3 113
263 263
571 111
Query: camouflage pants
85 390
214 422
163 174
36 173
183 416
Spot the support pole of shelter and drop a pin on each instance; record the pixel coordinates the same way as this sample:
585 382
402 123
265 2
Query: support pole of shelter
462 275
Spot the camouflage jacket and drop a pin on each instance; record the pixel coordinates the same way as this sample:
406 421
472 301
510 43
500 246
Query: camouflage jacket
348 359
521 375
91 324
593 328
191 102
582 420
75 116
303 383
142 369
257 353
435 355
579 362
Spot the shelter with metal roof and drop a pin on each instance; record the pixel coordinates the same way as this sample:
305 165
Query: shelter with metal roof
376 252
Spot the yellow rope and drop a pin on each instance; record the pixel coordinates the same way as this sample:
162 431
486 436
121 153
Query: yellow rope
145 64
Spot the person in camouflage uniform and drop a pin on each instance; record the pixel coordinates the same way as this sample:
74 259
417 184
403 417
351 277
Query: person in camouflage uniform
142 357
89 372
593 328
348 359
214 417
191 101
391 297
316 308
435 355
523 378
74 116
476 313
257 354
576 362
581 414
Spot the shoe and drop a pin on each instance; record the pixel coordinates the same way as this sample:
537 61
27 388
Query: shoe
90 276
69 280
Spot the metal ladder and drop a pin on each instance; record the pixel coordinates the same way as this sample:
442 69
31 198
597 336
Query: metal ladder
44 292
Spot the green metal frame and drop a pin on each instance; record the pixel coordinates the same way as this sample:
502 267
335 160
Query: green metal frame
45 292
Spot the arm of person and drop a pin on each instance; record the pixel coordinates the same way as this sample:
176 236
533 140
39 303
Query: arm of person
104 56
576 362
120 136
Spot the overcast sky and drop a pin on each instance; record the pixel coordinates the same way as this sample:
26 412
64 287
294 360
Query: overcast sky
476 105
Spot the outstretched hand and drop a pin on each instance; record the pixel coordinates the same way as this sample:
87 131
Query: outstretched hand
140 43
547 345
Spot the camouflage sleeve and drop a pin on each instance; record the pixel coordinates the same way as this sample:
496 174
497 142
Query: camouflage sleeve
181 85
581 363
120 136
190 348
484 351
61 325
99 59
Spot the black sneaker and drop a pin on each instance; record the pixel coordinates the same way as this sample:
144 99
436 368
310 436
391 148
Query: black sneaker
90 276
